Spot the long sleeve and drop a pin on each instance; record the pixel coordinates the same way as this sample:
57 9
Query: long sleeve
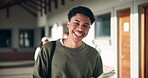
98 68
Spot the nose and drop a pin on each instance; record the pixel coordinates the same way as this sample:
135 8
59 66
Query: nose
80 28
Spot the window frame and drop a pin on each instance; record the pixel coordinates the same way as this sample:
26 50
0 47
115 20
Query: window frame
9 39
102 37
31 45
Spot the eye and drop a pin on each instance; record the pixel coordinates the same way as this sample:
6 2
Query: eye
76 24
86 26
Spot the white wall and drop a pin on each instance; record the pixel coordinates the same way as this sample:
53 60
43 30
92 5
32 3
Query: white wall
18 17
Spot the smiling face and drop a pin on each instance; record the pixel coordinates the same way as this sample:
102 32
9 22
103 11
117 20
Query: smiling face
78 27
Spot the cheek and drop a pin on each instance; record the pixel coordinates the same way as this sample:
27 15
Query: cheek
70 27
86 32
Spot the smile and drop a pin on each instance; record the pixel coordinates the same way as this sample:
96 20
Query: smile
78 35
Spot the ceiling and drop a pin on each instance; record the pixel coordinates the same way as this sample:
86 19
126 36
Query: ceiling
31 6
9 3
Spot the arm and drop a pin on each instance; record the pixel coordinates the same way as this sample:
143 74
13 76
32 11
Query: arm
98 67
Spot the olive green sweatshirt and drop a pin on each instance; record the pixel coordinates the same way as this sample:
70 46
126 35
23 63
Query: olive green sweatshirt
82 62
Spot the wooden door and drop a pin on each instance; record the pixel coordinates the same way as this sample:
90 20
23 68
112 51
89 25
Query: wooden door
144 41
124 43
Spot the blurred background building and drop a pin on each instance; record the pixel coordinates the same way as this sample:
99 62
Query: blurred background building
120 32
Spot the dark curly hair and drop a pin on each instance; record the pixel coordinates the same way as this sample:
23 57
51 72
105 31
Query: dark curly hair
82 10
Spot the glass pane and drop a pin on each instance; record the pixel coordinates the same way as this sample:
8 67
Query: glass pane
103 25
5 38
42 32
50 32
26 38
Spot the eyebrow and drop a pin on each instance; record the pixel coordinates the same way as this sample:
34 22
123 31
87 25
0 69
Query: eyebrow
79 22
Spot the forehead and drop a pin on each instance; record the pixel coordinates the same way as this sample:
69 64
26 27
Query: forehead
81 18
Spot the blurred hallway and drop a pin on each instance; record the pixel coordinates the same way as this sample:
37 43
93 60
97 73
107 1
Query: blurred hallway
119 33
16 69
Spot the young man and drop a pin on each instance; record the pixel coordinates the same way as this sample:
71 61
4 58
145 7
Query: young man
72 57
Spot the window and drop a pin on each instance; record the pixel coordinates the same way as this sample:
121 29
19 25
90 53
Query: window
50 32
5 38
26 38
42 32
103 26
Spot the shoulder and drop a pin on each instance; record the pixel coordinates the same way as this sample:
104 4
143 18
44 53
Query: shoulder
47 47
91 50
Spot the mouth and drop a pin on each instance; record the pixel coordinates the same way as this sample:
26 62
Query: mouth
78 34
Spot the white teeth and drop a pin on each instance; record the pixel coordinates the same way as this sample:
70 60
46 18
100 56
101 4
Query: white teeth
78 34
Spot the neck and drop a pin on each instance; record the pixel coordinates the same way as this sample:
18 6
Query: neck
71 44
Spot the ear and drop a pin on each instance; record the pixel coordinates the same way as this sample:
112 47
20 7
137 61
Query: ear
68 24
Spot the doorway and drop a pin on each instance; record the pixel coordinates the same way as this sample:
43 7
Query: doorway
124 43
